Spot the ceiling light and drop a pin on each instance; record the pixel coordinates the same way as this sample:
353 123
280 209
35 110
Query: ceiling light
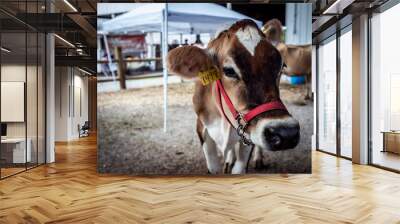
84 71
5 50
70 5
79 51
338 6
64 40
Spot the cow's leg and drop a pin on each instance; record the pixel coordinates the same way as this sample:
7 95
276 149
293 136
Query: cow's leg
228 147
209 148
308 88
258 158
229 161
211 153
243 153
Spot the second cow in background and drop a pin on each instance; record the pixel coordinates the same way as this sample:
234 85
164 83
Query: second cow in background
297 58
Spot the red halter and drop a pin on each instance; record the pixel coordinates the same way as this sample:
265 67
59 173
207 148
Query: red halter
241 119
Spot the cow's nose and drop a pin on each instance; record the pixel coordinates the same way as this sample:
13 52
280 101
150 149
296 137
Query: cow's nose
280 138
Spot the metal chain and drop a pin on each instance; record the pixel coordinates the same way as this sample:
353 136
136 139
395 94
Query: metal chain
241 130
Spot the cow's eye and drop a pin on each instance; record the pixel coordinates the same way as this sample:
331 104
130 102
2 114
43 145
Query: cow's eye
230 72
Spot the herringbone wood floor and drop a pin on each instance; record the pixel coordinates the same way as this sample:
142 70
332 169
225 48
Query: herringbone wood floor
70 191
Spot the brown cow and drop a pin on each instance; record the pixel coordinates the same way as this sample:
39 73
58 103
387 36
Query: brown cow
297 58
273 31
249 67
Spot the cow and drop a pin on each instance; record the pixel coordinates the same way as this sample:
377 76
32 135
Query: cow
241 108
297 58
273 31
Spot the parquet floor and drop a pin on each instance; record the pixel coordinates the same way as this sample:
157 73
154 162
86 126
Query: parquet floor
10 171
70 191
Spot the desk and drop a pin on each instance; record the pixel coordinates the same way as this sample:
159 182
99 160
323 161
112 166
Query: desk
18 149
391 141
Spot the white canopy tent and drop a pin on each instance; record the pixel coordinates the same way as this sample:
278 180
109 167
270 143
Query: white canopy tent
189 18
182 18
104 9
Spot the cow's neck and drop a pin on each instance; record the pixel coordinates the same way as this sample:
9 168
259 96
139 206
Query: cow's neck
206 105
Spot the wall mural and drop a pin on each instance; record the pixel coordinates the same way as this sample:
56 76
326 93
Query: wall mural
225 95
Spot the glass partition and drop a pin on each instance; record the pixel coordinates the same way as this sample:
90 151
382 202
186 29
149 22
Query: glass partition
22 88
14 153
346 93
327 96
385 89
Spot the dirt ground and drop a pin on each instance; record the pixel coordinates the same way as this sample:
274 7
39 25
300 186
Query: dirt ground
131 138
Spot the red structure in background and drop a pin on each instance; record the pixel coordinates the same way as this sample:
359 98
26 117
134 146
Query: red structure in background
130 44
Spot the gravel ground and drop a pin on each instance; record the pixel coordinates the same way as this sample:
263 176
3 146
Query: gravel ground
131 138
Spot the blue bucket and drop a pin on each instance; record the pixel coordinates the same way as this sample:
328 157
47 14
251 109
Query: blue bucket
296 79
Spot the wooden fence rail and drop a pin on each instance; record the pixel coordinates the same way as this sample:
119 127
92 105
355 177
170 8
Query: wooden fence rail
121 66
129 60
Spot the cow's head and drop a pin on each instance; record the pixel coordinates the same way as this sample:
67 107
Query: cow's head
273 31
250 66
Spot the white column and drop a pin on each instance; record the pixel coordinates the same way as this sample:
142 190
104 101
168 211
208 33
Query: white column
164 60
50 98
360 90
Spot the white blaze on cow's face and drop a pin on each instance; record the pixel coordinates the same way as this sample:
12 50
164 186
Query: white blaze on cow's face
251 66
249 37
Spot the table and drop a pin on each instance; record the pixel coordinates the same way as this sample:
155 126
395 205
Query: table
19 155
391 141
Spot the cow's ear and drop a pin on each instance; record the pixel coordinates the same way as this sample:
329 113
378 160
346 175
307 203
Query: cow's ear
188 61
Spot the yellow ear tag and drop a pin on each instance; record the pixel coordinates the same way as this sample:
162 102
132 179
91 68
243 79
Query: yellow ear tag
209 76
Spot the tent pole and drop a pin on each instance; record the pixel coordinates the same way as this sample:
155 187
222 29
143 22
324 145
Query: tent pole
108 56
164 61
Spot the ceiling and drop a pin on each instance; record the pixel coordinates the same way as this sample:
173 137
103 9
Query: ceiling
76 20
73 20
329 15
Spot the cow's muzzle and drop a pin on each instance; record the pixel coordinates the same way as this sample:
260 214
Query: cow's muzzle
277 134
282 137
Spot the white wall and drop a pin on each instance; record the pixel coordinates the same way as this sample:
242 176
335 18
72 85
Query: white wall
298 23
33 126
71 94
13 73
80 109
16 72
62 81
